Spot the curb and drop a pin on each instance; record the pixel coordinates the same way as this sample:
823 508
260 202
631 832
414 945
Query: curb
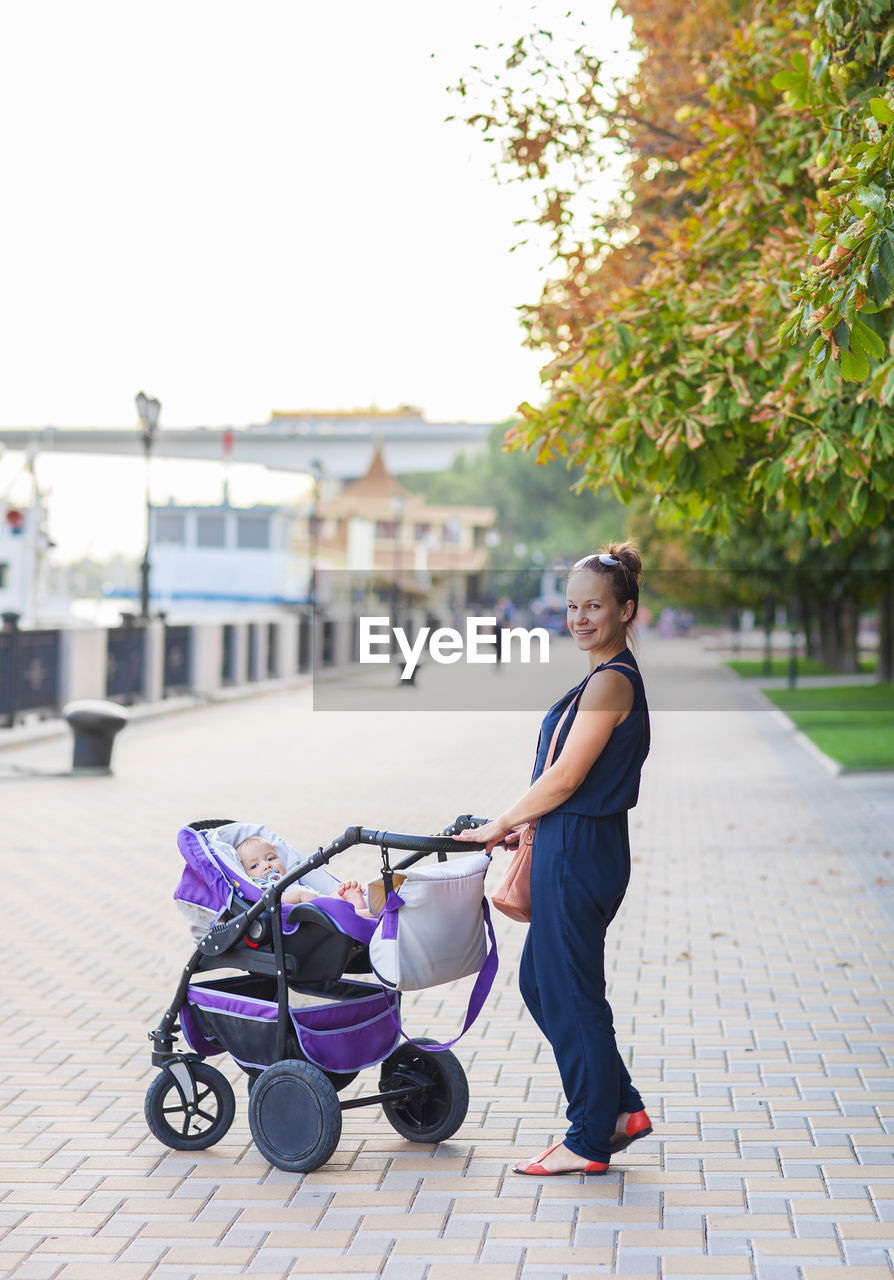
52 727
832 766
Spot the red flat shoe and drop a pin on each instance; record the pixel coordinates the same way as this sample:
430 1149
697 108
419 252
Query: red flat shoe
638 1126
536 1169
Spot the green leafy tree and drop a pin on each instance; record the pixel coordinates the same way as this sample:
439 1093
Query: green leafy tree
675 377
774 562
841 85
537 507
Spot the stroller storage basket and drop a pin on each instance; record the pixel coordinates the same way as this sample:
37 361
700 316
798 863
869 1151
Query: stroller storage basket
343 1036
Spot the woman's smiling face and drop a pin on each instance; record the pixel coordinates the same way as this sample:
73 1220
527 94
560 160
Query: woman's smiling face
593 614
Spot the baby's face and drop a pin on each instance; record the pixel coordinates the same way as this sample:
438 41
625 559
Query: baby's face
259 858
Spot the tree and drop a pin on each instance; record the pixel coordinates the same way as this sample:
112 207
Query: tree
775 562
668 367
536 506
844 80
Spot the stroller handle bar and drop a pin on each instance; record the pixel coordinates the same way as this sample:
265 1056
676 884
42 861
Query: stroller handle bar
222 936
441 843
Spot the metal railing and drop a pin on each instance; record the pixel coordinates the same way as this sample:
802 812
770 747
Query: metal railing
177 660
228 671
125 663
29 670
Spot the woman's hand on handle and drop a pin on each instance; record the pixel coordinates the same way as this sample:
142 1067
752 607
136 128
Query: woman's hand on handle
510 841
497 831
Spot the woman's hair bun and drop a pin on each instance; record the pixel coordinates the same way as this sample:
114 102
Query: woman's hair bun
628 554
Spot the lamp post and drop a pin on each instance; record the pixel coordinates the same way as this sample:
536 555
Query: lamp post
313 528
398 505
148 410
452 535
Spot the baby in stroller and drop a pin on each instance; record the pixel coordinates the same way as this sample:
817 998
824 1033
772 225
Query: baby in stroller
265 867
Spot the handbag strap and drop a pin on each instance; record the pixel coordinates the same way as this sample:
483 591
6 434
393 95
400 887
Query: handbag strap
558 729
532 825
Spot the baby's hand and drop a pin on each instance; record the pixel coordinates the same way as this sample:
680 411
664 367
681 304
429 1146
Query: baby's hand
352 892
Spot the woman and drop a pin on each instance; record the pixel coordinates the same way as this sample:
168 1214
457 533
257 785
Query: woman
581 863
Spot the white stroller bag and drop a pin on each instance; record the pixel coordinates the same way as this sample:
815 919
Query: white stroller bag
432 927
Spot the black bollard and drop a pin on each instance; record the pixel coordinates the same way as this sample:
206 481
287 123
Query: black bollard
94 723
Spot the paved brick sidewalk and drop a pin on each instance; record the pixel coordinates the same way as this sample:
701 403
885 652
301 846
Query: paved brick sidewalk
751 971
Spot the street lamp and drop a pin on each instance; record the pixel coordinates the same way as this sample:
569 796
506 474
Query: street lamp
148 410
491 541
398 506
313 528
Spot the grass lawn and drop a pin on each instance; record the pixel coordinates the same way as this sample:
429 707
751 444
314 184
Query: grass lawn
854 725
753 668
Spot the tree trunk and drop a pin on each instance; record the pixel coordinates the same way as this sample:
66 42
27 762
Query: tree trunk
850 621
830 633
808 625
769 620
886 637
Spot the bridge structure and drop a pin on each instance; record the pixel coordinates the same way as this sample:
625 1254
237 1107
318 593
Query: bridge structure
338 445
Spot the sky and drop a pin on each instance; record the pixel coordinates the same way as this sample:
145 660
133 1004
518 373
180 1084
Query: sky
242 207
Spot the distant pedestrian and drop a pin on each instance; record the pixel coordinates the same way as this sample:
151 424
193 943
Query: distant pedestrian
503 611
581 863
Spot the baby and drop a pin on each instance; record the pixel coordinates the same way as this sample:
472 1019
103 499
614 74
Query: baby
264 867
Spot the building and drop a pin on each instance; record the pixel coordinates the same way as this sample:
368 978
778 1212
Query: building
377 529
374 533
211 555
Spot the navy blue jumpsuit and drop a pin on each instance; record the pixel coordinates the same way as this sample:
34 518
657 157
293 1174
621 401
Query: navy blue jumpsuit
579 873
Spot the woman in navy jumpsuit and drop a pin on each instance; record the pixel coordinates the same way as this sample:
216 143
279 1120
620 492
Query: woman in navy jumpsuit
581 864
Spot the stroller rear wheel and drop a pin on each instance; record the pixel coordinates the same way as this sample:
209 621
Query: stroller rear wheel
294 1116
438 1109
189 1118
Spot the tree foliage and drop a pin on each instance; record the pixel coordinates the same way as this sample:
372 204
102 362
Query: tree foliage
842 83
536 506
722 335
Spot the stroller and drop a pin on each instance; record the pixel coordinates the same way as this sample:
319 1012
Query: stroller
298 1058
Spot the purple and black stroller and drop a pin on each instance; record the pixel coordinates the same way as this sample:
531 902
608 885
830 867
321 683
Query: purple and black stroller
300 1014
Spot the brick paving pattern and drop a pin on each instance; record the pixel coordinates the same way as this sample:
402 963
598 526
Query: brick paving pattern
751 981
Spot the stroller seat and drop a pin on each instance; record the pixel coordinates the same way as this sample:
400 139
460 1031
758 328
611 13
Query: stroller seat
322 951
319 944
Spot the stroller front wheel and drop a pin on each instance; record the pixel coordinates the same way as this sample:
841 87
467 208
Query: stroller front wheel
189 1119
438 1105
294 1116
